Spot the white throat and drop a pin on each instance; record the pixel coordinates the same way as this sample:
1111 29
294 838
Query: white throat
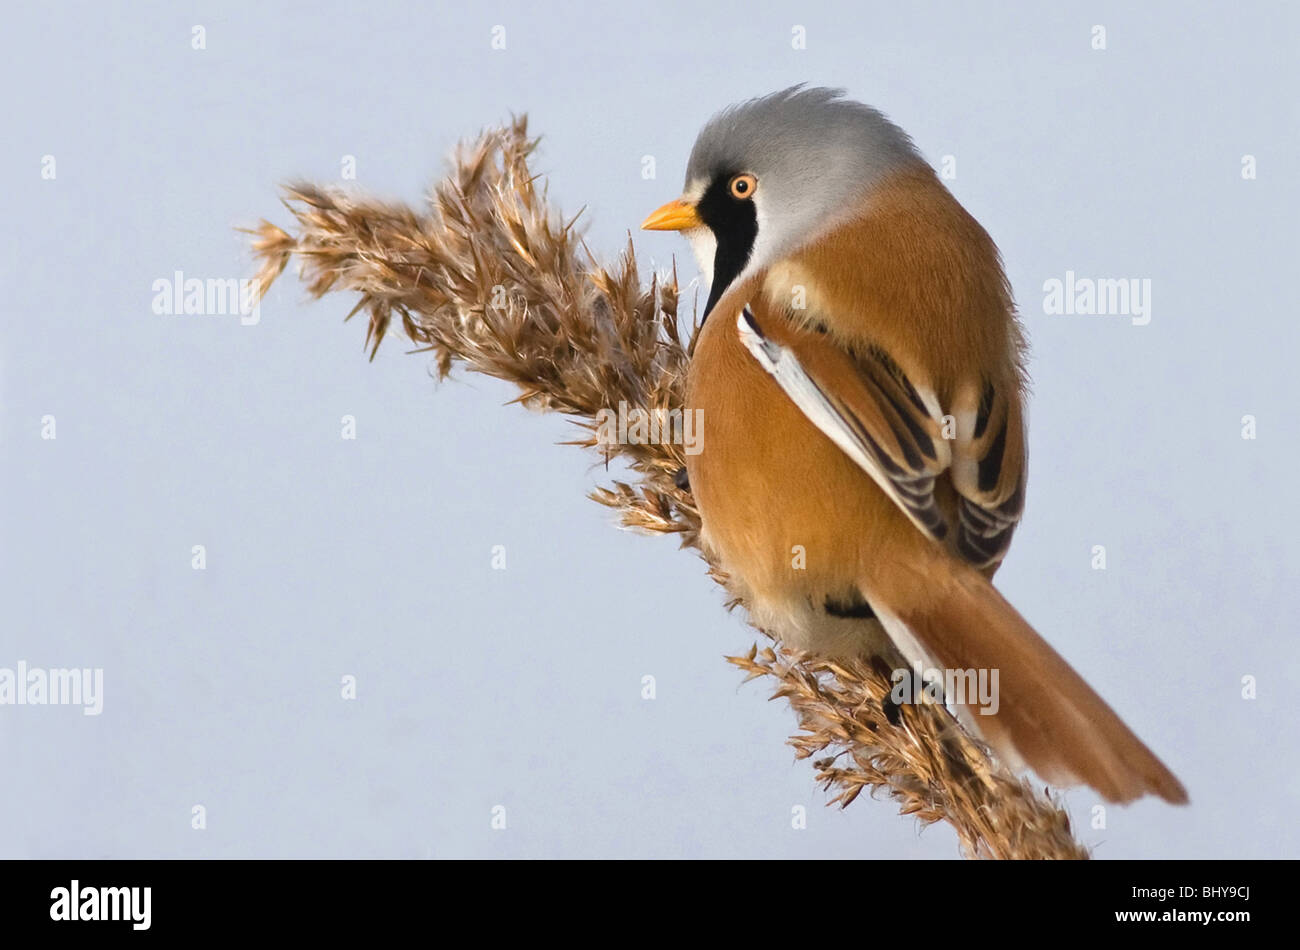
704 246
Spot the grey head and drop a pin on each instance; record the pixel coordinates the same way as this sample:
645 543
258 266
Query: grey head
771 174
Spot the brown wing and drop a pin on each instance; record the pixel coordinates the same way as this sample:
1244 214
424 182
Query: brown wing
989 473
900 437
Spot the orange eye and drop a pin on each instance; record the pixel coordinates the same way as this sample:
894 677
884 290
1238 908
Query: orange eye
742 186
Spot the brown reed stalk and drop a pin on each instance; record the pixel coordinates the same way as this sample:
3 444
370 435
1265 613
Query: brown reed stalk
488 276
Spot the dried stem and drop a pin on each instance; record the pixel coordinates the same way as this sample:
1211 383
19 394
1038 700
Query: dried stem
490 277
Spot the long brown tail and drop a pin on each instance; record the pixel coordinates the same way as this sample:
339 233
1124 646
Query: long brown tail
1047 716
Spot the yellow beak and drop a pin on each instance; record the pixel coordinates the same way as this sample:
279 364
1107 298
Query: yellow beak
679 215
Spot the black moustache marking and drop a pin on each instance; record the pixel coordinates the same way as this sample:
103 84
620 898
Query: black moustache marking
734 224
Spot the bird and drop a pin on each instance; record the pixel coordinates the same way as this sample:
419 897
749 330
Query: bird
859 371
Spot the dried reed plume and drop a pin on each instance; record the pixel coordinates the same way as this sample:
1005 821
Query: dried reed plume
490 277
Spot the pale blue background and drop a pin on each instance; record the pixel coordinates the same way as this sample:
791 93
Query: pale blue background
372 557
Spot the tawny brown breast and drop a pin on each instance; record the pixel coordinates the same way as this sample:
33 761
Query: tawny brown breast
775 494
